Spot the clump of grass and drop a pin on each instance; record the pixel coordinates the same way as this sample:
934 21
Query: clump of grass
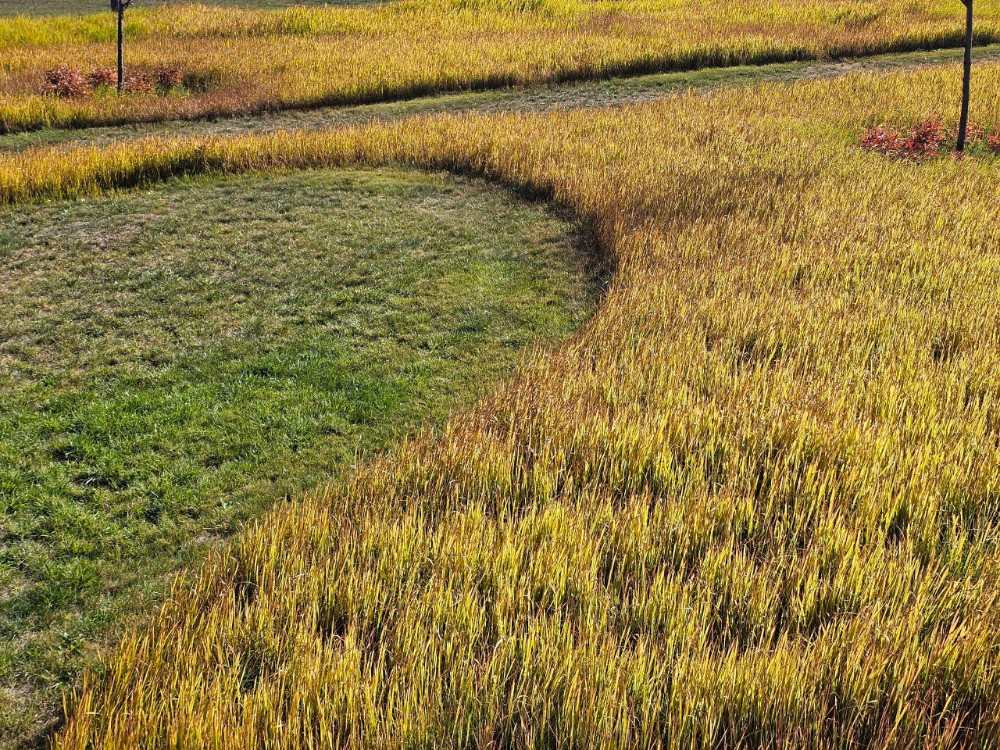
752 504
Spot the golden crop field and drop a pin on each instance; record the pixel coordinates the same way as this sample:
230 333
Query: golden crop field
754 503
237 61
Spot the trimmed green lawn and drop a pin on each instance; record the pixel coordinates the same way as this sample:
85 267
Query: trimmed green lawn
174 361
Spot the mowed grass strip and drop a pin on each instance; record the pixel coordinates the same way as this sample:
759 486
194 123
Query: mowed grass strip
753 504
236 61
172 362
576 95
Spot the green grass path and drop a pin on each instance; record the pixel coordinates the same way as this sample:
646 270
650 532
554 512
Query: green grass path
174 361
600 93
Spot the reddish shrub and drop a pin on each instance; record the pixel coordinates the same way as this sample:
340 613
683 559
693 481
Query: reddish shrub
925 139
923 142
881 139
167 78
66 83
993 142
973 132
139 82
103 77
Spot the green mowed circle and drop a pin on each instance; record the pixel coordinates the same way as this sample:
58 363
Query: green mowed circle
174 361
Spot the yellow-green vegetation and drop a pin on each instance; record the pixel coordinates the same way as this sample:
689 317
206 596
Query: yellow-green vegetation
754 503
174 361
596 93
239 60
77 7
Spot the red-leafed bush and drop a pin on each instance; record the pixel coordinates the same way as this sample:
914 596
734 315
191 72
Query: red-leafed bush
103 77
882 139
923 141
66 83
167 78
993 142
140 82
973 133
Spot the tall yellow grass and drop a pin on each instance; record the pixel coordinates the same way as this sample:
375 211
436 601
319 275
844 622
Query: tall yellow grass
248 61
754 503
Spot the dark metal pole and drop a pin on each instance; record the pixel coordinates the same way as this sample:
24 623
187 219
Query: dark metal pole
121 48
963 124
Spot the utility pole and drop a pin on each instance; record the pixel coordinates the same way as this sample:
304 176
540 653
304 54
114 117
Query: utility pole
963 123
119 7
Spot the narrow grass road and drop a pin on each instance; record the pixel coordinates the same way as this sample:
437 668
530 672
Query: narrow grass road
599 93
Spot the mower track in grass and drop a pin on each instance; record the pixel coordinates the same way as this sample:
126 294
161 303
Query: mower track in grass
581 95
174 361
